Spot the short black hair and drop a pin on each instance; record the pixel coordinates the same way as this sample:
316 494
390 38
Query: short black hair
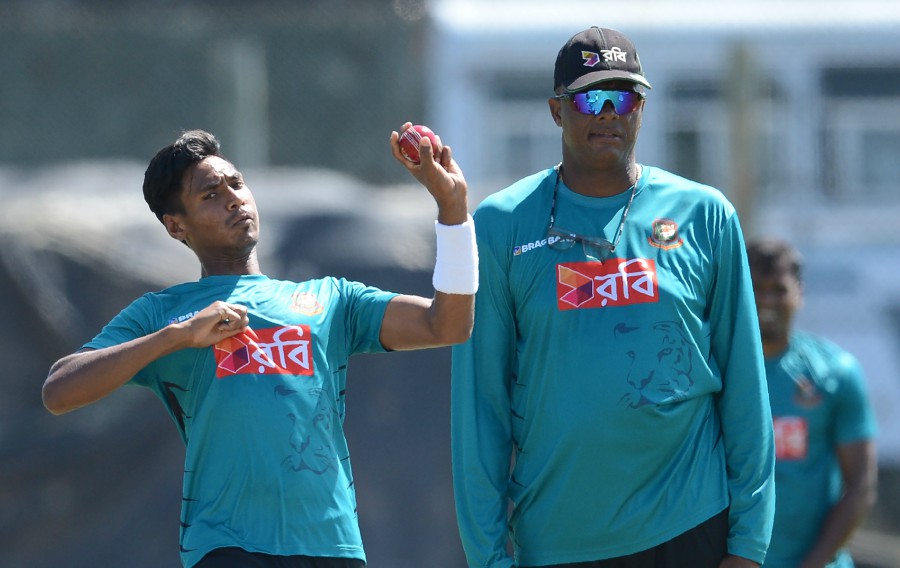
163 177
771 256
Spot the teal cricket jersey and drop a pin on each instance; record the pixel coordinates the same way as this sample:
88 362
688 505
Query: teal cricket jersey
267 467
629 392
819 401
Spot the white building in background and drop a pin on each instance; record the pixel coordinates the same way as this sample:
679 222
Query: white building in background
791 107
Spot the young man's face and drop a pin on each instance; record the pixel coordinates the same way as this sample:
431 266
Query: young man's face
220 217
779 295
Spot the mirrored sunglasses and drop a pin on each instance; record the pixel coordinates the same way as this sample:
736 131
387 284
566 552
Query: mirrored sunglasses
591 102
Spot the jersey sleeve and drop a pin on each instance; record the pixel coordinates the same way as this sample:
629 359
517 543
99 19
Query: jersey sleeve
136 320
364 313
855 418
743 404
481 439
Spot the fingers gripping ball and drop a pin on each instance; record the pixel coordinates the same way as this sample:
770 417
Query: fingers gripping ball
409 142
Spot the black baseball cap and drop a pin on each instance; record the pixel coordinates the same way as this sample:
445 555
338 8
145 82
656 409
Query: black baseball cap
594 55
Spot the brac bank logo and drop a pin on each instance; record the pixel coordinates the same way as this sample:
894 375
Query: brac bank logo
615 282
522 249
270 351
183 317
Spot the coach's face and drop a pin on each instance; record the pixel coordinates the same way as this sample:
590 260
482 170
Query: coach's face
220 220
604 139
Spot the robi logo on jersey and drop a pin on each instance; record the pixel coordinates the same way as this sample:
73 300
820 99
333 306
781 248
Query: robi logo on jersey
271 351
615 282
791 437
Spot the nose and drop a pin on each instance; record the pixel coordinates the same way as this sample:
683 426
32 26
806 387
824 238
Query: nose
236 197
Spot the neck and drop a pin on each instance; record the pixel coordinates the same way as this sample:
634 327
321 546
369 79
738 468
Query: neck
598 182
231 267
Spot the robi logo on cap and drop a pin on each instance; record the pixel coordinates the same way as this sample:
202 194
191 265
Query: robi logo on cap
590 58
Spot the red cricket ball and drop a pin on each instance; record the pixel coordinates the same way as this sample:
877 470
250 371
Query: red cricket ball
409 142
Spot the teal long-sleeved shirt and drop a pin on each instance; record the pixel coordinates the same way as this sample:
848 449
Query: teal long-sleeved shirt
613 404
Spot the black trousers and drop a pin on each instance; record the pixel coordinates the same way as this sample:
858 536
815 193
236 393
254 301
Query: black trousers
703 546
233 557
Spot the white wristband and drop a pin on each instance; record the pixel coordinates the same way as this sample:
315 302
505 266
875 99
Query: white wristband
456 265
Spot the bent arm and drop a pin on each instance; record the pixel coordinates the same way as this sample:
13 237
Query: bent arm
859 469
415 322
89 375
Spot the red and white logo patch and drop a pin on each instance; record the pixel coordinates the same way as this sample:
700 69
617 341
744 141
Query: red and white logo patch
306 303
271 351
614 282
791 437
664 234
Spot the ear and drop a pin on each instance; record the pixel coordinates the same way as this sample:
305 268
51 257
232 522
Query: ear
554 110
174 227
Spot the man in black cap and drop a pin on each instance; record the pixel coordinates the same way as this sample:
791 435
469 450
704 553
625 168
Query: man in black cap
610 409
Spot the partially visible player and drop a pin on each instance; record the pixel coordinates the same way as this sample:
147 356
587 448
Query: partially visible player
826 468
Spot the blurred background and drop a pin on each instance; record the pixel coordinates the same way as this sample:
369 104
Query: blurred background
791 107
